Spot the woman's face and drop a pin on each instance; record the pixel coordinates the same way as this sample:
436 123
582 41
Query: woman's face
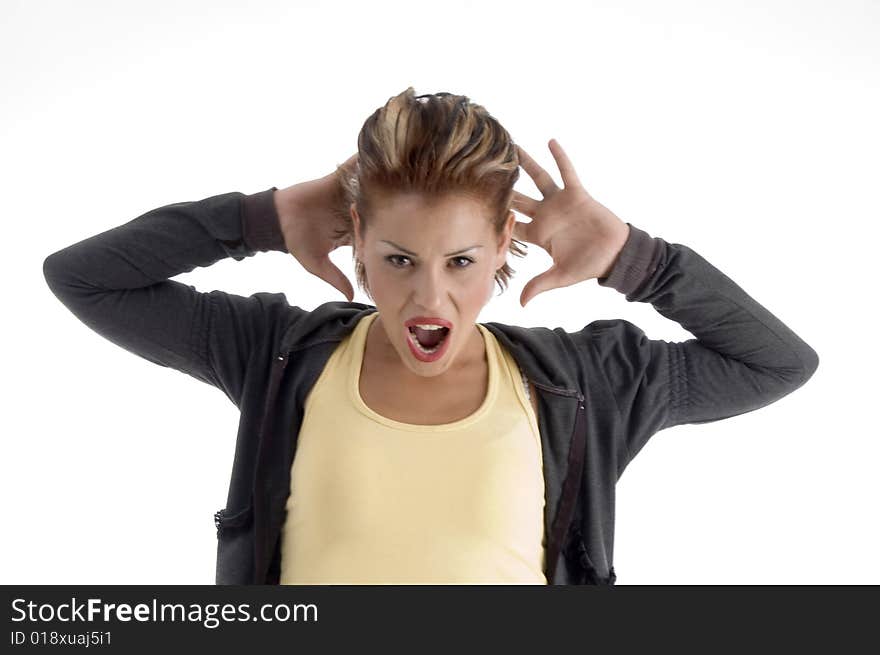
433 262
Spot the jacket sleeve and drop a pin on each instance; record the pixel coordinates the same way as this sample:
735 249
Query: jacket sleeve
117 283
743 357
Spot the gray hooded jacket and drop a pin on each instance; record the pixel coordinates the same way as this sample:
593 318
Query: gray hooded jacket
603 390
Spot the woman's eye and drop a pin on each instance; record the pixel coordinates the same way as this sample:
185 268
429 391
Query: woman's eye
463 262
391 258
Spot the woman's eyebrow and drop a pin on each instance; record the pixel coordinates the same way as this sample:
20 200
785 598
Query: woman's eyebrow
449 254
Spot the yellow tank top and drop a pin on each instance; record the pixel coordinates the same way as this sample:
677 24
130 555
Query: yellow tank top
377 501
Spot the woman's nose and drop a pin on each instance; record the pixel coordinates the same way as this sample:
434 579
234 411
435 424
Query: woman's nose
429 289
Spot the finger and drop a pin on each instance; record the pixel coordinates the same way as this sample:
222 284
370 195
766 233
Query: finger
524 204
331 274
549 279
566 168
542 178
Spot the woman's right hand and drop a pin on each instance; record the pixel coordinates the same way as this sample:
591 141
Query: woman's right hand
308 214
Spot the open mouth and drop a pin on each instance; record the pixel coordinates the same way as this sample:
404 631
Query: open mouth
429 340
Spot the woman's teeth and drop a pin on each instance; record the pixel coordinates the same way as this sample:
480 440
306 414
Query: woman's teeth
418 344
428 351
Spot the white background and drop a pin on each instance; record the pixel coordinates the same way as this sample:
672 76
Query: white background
745 130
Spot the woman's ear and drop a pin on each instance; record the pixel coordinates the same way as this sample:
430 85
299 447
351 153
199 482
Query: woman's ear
356 222
504 241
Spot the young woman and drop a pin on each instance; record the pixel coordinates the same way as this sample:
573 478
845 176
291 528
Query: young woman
403 442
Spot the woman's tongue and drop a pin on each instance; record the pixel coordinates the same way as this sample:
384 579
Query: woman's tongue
429 338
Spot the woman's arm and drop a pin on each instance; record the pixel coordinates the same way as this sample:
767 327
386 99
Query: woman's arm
743 357
117 283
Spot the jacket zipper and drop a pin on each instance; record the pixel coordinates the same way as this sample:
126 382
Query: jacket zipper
571 484
570 490
261 562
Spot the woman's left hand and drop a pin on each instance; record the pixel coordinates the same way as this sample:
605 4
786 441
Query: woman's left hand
583 237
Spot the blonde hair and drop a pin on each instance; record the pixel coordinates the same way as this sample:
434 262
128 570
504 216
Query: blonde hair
432 144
